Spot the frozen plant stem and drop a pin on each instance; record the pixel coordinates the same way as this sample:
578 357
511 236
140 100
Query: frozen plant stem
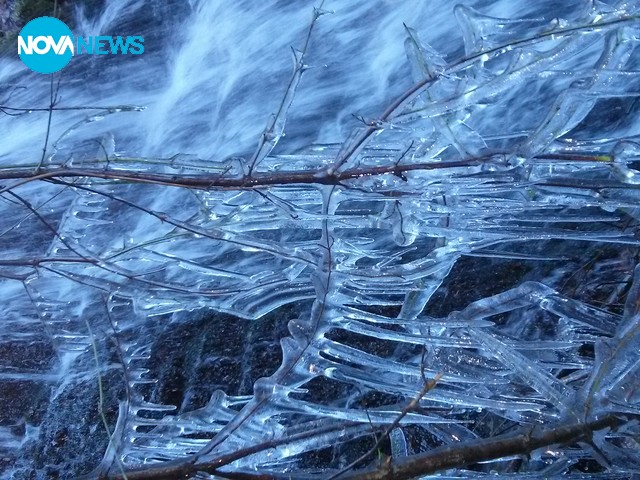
413 404
105 423
458 456
275 127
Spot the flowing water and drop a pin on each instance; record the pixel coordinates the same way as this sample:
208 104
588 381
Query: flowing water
213 72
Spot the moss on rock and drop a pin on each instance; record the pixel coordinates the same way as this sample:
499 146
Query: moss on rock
15 14
27 10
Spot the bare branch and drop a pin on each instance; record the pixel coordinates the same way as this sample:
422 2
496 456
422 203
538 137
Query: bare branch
467 453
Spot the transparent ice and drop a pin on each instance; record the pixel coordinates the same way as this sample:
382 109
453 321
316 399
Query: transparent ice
218 319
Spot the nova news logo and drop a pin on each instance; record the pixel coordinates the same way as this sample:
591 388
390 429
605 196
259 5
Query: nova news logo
46 45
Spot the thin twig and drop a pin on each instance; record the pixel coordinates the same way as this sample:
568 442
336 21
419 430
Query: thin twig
411 406
275 126
105 423
53 99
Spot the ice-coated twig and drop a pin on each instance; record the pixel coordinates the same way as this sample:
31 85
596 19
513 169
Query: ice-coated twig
398 108
275 126
457 456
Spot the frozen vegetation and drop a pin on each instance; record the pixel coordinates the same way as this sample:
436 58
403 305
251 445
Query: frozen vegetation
434 272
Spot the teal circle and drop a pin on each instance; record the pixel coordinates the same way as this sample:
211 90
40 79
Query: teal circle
47 61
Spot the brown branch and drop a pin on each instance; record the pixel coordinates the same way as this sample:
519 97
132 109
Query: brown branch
186 467
36 262
467 453
412 405
211 182
302 177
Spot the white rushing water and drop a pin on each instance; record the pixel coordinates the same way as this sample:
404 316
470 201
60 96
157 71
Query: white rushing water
213 72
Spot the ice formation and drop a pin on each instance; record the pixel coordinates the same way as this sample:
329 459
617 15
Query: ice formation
167 306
